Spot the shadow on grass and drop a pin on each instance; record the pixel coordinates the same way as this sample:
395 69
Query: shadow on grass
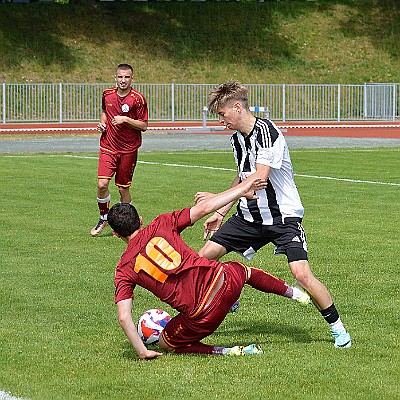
223 336
104 235
290 332
160 30
247 33
380 23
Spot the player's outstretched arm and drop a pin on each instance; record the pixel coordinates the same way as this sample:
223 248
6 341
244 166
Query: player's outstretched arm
207 202
128 326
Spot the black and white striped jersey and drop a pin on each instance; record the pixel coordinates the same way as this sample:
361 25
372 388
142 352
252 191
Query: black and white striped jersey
280 199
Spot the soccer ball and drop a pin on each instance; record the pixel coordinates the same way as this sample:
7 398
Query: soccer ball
151 324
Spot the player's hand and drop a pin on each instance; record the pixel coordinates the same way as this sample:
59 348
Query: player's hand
101 127
200 196
118 119
251 187
149 354
211 225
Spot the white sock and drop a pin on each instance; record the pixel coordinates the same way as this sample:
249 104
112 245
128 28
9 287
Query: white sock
105 200
337 326
296 293
221 350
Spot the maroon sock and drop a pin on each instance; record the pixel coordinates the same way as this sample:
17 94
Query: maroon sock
266 282
103 207
195 348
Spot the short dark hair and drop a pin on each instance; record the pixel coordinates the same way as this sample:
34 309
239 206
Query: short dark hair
123 219
125 66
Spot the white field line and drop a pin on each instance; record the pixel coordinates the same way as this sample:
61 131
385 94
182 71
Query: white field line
348 180
215 168
332 149
186 166
7 396
301 175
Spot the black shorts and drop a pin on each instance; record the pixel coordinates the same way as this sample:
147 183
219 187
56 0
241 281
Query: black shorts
246 238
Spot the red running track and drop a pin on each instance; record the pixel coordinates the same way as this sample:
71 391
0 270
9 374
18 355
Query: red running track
358 129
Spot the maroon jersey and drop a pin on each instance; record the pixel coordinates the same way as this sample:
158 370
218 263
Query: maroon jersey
160 261
122 138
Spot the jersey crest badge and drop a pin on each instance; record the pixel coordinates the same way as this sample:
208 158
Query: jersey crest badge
125 108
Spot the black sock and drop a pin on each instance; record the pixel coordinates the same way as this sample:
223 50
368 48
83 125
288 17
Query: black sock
330 314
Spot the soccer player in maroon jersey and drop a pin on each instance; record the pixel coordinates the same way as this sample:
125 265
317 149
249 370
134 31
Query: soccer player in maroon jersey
201 290
123 119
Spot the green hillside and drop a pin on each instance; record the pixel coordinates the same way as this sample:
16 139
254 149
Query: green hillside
184 42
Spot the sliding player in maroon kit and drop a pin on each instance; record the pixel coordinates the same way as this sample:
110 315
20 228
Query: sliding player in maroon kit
201 290
122 121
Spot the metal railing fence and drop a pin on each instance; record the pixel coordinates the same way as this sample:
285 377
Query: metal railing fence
75 102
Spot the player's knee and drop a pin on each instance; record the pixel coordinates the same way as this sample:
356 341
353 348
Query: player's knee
124 195
212 251
302 273
103 185
203 253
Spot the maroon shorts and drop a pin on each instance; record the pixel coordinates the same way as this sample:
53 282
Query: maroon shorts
183 330
121 165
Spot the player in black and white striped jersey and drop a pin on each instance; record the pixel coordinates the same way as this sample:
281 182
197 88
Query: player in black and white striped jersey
261 151
267 146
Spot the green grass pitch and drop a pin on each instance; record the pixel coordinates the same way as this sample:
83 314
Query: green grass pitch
59 335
